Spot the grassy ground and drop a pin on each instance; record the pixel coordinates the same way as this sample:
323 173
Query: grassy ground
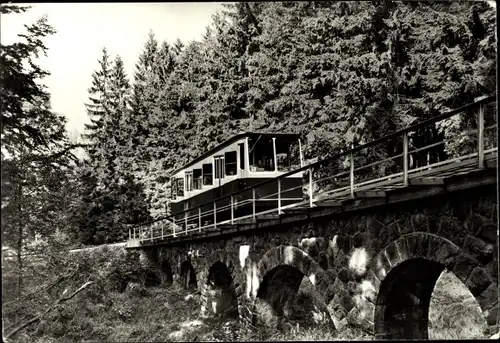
453 312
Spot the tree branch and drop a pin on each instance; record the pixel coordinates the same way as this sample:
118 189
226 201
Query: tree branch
52 285
57 303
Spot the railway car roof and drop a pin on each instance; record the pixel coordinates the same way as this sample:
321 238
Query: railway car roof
232 140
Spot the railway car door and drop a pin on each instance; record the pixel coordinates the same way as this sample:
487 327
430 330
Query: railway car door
219 169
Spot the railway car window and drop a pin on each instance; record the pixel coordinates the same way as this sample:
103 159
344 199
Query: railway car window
189 181
261 154
197 178
207 174
180 187
242 155
219 167
231 163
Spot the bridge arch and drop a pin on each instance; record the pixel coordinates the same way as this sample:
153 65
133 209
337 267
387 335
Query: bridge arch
280 273
166 273
404 274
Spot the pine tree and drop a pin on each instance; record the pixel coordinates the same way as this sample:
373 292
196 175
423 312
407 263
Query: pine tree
99 98
117 133
178 47
143 69
38 157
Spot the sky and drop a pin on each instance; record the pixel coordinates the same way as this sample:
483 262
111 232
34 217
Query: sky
85 28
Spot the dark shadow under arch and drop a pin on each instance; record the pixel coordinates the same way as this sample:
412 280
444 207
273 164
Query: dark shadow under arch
402 308
282 271
188 276
221 294
279 286
166 273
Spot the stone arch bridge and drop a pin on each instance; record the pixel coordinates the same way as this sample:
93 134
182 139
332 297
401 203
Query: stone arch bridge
375 268
373 257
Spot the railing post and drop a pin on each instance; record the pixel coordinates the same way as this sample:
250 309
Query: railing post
129 234
351 173
162 226
253 203
405 158
215 215
173 227
310 187
135 235
199 218
274 155
480 137
279 196
232 210
152 234
185 222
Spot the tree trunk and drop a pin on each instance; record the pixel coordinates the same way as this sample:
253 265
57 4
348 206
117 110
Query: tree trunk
19 247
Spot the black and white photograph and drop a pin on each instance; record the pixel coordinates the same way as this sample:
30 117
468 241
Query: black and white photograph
249 171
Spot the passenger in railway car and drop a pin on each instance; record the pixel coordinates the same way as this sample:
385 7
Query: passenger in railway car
260 164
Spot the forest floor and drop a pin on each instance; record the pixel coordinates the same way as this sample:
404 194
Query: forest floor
172 314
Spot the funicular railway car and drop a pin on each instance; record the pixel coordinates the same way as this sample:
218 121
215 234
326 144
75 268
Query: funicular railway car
242 161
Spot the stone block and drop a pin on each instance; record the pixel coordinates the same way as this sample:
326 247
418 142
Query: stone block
339 312
492 269
411 244
306 265
419 222
373 279
239 290
338 285
381 266
374 225
478 281
335 302
346 301
463 266
488 232
480 250
488 297
491 317
422 245
444 253
323 260
344 275
312 250
352 287
393 254
321 243
341 324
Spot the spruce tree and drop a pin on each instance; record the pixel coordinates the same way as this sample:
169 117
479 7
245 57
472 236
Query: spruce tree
99 96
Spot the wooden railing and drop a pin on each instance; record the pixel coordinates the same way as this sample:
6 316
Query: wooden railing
465 137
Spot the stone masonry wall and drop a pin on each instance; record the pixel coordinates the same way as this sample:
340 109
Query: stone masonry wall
348 256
